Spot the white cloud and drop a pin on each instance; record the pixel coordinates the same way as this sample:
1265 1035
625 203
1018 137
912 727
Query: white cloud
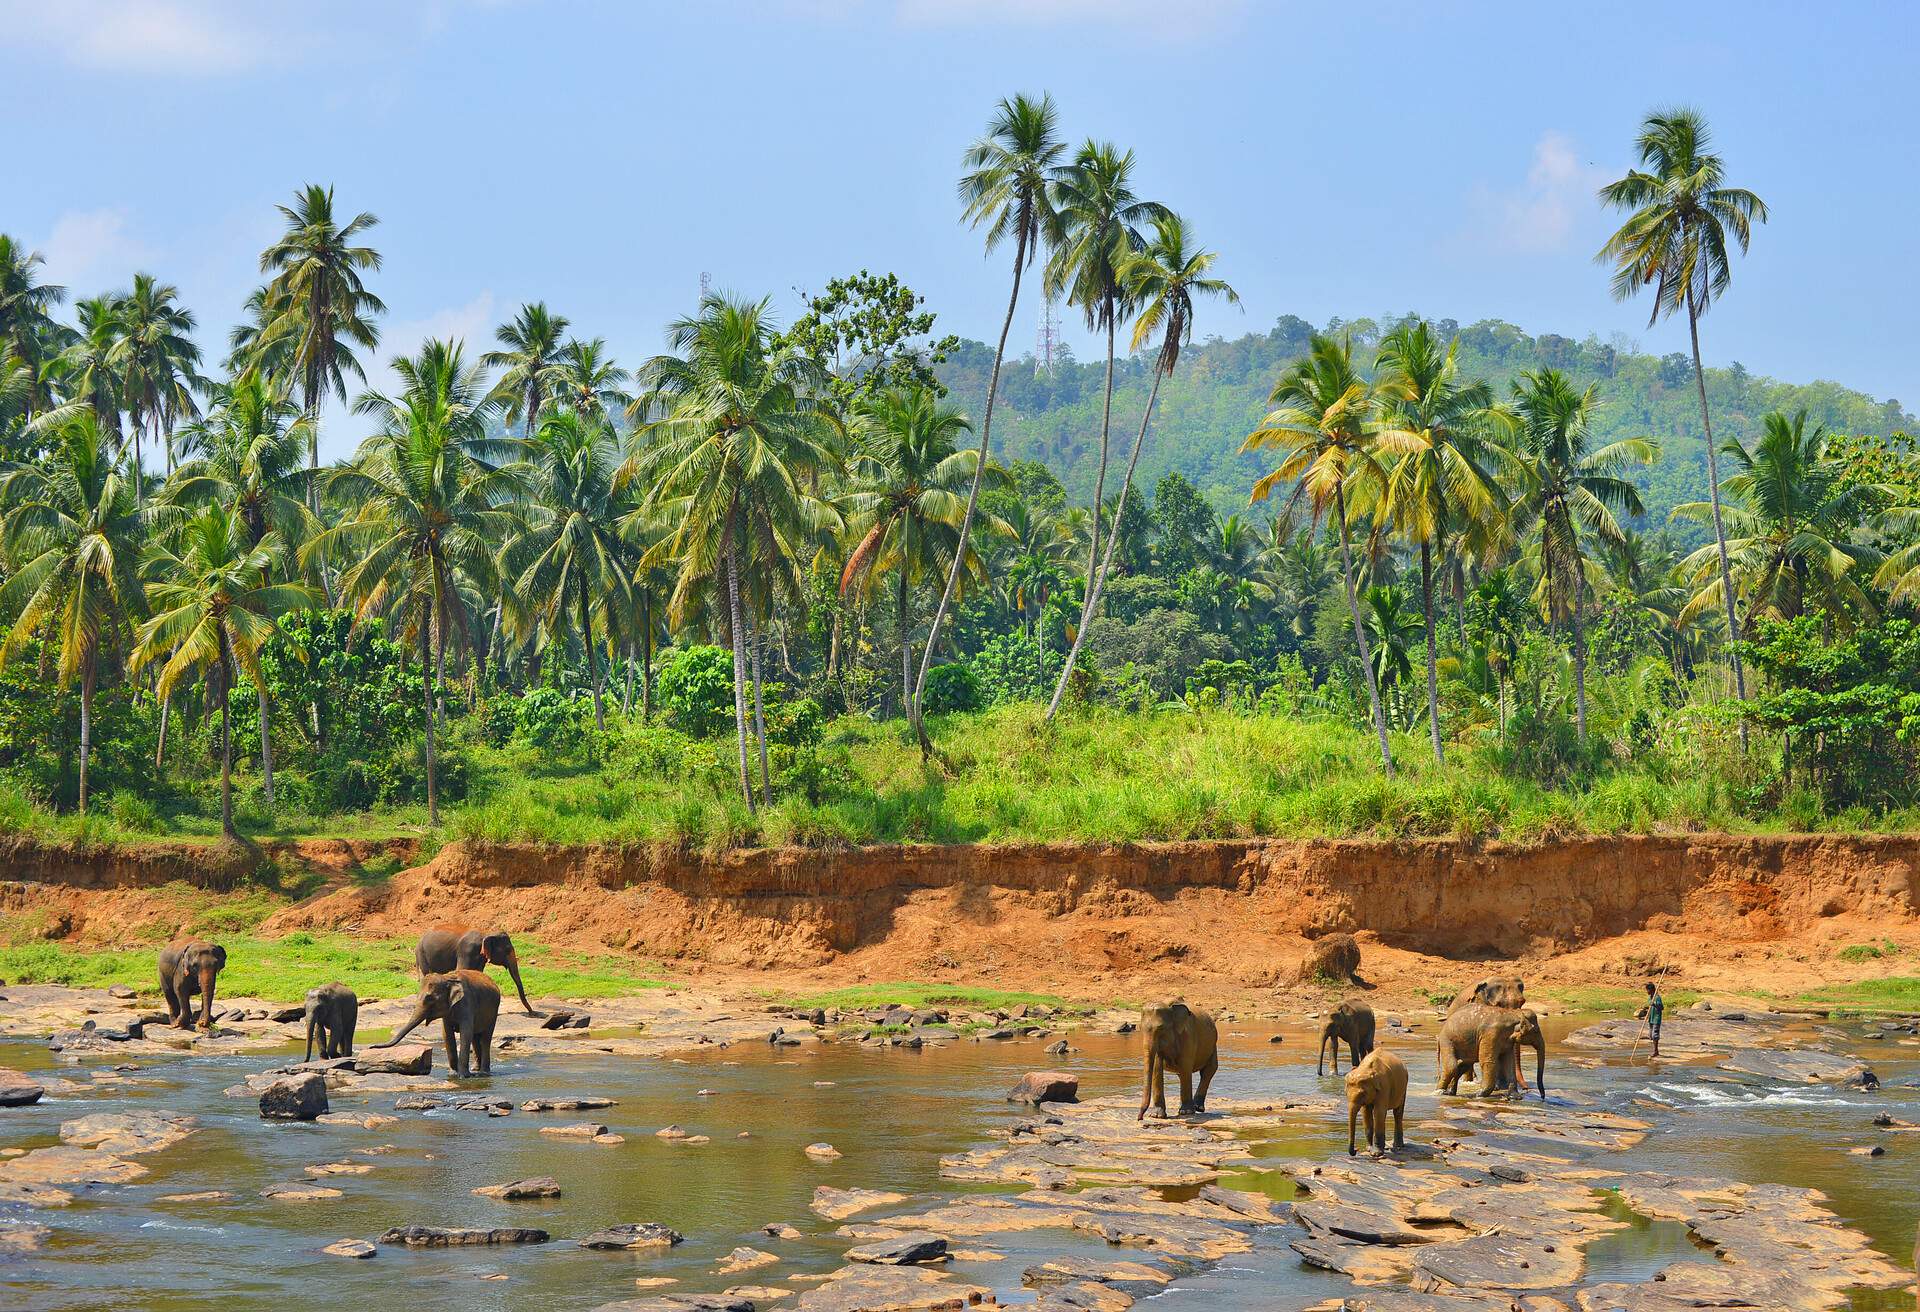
1541 214
139 36
1151 17
89 247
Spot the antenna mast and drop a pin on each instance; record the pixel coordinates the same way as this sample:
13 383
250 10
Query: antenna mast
1049 335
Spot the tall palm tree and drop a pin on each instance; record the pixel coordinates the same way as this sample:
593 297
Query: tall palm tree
430 509
214 607
87 368
1162 278
25 306
158 363
1675 241
1005 190
739 430
74 534
1793 513
586 378
904 503
1323 423
571 553
1444 482
320 302
1566 485
527 364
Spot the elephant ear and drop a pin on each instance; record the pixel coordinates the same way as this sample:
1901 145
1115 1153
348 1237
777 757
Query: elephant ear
219 955
456 994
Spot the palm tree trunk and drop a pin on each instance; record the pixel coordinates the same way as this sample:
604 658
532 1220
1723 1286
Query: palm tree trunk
906 644
1579 652
1100 478
593 663
266 746
1433 672
86 725
973 493
426 704
626 693
160 748
226 743
1359 632
1097 582
759 641
739 664
646 655
1719 532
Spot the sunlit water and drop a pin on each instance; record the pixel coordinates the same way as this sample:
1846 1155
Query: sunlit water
892 1113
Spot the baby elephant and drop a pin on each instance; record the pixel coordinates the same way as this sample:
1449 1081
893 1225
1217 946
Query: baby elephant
1184 1041
1378 1085
466 1003
332 1012
1352 1024
186 968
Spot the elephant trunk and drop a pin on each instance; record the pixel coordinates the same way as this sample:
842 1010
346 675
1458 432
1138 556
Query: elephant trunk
419 1017
1320 1053
1540 1066
313 1021
512 964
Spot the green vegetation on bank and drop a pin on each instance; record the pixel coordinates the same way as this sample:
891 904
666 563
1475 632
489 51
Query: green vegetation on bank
1899 993
917 996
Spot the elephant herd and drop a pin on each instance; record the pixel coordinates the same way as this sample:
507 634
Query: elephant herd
1485 1029
454 990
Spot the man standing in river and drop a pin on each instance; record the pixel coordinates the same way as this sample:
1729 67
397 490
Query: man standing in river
1654 1011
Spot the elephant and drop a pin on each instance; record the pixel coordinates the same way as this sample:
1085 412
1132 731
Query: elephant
1377 1086
1352 1024
1509 991
1185 1041
332 1013
1490 1038
455 947
467 1004
186 968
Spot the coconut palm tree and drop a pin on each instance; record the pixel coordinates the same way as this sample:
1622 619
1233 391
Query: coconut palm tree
319 303
25 306
1792 511
73 535
527 364
1675 240
904 503
1564 486
1323 424
158 363
214 607
1162 278
1445 481
92 381
1004 190
1393 628
585 377
738 433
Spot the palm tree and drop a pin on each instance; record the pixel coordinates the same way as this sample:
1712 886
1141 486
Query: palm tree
73 533
1443 483
1793 512
904 502
1005 190
1565 485
431 508
320 303
25 304
88 371
1100 233
528 363
1393 630
1497 605
571 553
739 431
1162 279
1675 241
586 378
1323 421
158 363
214 609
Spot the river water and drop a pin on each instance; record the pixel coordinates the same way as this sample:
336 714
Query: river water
892 1113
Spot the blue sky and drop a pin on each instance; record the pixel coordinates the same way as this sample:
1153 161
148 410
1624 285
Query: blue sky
601 156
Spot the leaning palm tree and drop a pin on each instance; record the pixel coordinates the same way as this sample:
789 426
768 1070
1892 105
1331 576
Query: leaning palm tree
214 607
1005 190
1162 280
158 364
1100 234
1564 486
320 303
528 363
1675 241
1323 423
1444 482
739 431
904 502
73 535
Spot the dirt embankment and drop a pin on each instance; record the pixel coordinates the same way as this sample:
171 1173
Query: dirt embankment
1714 910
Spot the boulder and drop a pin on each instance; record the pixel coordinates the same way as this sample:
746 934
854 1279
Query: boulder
533 1186
433 1236
359 1248
295 1098
404 1061
16 1090
633 1234
1335 957
681 1303
1046 1086
565 1104
780 1229
557 1019
744 1259
822 1152
911 1249
287 1016
584 1130
119 991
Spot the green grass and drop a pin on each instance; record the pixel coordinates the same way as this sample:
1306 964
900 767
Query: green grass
283 969
868 996
1869 951
1621 1000
1893 993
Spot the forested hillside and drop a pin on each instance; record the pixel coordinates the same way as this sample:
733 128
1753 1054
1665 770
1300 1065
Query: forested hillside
1220 390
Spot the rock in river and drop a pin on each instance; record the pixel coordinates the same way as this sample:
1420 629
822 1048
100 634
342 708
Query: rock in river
295 1098
681 1303
16 1090
533 1186
1046 1086
359 1248
1801 1066
433 1236
822 1152
839 1204
633 1234
911 1249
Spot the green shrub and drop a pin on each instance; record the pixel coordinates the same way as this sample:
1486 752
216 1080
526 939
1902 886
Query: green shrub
553 719
134 813
952 688
696 689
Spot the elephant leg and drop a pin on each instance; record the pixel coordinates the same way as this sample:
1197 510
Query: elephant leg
1400 1126
453 1051
173 999
1186 1091
1206 1079
1154 1087
1492 1063
486 1053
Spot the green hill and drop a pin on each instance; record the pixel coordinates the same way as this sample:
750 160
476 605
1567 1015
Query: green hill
1221 387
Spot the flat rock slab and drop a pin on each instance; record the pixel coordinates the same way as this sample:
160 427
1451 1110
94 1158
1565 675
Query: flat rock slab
321 1170
126 1134
533 1186
633 1234
21 1237
566 1104
33 1195
1497 1262
433 1236
299 1191
199 1196
67 1165
1366 1263
910 1249
839 1204
358 1248
1799 1066
1139 1277
744 1259
360 1120
1364 1226
681 1303
889 1289
584 1130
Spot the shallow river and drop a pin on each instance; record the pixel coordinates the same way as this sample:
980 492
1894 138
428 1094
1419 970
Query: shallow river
892 1113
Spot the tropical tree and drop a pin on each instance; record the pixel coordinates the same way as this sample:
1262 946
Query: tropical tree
586 378
1162 279
528 363
1675 240
158 364
1323 425
1444 483
87 368
73 537
319 303
25 306
214 607
1565 486
1005 189
1393 629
